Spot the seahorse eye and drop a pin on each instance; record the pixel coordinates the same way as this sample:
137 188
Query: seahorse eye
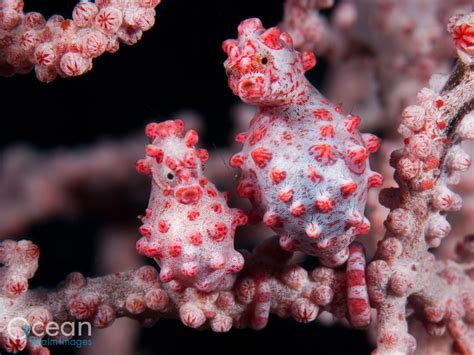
170 176
264 60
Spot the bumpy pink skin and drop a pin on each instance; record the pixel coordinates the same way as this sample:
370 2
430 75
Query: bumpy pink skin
304 164
67 47
188 227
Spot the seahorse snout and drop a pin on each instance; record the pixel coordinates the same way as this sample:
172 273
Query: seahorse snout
188 194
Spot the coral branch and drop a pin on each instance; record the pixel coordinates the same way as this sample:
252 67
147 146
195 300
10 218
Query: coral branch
67 47
269 283
406 274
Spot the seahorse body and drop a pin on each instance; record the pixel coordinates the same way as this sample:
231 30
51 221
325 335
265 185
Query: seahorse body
303 163
188 227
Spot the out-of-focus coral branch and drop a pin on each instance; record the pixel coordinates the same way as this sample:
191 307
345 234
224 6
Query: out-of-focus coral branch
380 53
406 275
312 31
67 47
35 186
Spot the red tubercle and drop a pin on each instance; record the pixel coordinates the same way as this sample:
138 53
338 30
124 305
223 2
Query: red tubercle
313 174
34 20
211 192
237 160
217 208
179 126
174 249
324 204
154 251
323 153
308 60
375 180
261 156
338 108
240 218
193 215
297 209
245 189
163 226
166 275
285 194
172 163
271 38
145 230
360 225
189 159
148 212
241 137
190 194
151 130
143 167
322 114
191 138
351 123
327 131
203 155
154 152
218 232
195 238
372 143
271 220
277 175
357 155
348 188
190 269
313 230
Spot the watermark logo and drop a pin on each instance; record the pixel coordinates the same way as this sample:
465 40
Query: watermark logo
52 334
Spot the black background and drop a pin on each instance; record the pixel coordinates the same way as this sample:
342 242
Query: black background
177 65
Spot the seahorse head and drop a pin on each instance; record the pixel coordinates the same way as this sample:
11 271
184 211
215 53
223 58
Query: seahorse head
262 66
175 164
